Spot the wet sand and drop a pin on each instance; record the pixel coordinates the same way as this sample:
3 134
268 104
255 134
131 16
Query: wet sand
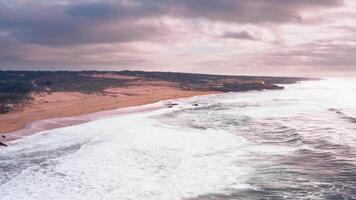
59 109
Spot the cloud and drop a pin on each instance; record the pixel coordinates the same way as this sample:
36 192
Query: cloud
84 22
33 56
252 11
231 35
55 25
240 35
69 34
315 58
90 10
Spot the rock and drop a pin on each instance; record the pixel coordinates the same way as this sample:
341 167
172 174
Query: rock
3 136
3 144
7 108
170 105
195 104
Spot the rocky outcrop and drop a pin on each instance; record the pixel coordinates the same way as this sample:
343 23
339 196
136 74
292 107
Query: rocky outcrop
3 144
6 108
170 105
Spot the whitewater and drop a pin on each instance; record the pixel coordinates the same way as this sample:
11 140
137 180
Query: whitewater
296 143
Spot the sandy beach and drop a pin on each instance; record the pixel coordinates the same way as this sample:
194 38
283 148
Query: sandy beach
56 98
69 104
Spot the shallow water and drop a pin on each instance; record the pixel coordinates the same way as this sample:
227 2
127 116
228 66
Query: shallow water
297 143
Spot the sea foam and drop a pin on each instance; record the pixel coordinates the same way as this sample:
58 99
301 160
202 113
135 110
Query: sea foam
288 144
131 157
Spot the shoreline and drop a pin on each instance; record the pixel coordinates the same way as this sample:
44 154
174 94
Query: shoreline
67 94
50 123
54 123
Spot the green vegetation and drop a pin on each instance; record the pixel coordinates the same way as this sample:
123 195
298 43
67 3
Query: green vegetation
16 86
13 89
224 83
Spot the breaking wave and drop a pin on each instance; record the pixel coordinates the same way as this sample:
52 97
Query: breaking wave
343 115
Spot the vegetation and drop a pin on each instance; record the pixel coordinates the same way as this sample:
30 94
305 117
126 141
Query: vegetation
13 89
16 86
216 82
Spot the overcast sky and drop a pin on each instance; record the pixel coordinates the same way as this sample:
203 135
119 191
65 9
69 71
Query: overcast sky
263 37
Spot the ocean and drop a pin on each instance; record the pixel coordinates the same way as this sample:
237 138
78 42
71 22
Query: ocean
296 143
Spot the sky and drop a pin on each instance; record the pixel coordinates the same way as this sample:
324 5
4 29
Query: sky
250 37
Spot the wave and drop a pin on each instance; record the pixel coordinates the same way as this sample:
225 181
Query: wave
343 115
233 146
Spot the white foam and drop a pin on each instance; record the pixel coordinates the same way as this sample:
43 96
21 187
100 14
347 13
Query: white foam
132 157
142 156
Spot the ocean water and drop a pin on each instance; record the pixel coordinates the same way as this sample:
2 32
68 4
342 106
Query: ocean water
297 143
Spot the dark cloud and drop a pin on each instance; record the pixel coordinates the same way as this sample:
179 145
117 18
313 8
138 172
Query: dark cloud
242 11
240 35
33 56
61 34
84 22
90 10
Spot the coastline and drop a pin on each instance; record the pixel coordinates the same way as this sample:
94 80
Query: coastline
66 95
78 108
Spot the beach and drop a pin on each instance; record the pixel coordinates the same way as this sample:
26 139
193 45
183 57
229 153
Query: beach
29 97
69 104
296 143
177 100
